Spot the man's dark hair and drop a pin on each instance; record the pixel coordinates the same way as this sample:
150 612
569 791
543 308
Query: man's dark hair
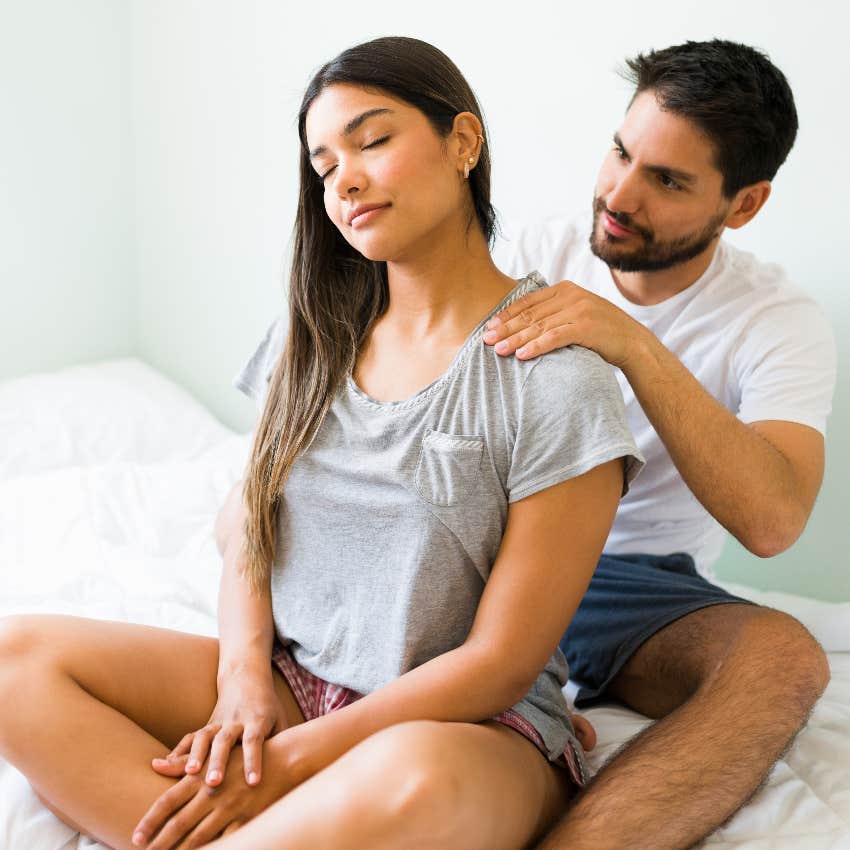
734 94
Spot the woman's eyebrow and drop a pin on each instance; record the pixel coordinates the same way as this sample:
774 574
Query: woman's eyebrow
351 126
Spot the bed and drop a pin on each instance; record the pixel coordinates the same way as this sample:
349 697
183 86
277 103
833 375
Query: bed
110 479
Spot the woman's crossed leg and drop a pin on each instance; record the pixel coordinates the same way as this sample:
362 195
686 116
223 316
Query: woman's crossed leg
417 785
87 704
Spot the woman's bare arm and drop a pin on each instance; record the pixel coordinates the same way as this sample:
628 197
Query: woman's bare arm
246 629
548 553
247 708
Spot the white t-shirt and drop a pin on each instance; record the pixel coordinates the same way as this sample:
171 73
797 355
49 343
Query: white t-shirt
761 346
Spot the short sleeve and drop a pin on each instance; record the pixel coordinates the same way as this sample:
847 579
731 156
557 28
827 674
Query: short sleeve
571 418
253 378
786 365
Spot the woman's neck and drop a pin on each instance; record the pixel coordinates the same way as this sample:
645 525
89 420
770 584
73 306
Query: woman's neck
445 290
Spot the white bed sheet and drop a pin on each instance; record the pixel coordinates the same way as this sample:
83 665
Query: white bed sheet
110 480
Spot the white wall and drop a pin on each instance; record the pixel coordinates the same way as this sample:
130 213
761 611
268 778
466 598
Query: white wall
66 241
194 207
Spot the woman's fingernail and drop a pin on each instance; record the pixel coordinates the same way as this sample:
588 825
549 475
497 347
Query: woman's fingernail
138 838
489 335
214 776
192 765
253 779
502 347
520 352
494 322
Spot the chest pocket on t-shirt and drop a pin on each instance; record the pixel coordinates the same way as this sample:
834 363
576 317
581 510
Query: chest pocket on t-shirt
448 467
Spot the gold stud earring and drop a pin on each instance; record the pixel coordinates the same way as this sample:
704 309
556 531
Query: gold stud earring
466 167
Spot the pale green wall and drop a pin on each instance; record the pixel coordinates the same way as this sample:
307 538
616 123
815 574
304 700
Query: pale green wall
66 242
150 150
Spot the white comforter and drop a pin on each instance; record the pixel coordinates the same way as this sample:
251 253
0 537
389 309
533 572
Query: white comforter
110 479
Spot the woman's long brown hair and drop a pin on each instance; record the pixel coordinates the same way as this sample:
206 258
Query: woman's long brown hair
336 294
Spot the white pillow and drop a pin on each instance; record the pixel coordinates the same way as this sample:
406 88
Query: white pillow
118 410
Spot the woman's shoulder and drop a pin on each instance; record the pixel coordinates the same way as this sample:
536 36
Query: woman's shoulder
563 365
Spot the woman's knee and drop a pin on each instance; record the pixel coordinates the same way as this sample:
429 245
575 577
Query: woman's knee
21 643
16 630
21 657
413 777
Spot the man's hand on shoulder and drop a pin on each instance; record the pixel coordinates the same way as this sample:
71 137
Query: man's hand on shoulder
565 314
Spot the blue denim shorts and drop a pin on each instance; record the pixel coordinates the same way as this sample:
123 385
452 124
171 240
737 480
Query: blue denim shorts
630 598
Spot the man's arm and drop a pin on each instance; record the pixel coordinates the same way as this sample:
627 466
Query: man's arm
759 481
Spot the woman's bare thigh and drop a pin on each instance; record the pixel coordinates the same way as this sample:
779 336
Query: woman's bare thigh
418 785
162 680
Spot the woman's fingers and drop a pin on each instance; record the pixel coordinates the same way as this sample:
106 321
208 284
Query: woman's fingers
201 747
232 828
208 829
219 754
183 747
252 753
170 765
160 813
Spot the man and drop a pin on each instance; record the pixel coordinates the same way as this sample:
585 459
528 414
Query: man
728 372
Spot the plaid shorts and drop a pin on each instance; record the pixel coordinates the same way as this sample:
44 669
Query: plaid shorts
316 697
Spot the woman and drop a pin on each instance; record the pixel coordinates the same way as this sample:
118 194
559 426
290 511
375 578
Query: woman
412 537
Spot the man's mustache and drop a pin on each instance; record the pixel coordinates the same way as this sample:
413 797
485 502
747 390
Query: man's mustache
623 219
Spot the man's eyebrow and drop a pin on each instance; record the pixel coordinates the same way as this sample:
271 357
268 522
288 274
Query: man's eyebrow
675 173
351 126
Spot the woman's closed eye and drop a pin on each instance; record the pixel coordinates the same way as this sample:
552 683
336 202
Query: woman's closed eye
374 144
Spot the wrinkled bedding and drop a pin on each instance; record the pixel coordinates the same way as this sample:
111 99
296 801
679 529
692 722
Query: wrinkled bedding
110 480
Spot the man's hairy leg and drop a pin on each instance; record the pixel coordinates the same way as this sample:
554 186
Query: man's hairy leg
732 684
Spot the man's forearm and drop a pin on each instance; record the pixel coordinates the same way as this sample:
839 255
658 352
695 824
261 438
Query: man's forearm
743 481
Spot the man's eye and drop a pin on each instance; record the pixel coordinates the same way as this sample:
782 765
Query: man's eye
668 182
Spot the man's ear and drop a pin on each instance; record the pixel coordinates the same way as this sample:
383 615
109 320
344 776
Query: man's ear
747 202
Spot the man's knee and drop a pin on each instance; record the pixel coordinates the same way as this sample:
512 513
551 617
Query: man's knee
747 647
779 650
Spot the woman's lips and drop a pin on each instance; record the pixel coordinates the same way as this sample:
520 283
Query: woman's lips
614 228
365 217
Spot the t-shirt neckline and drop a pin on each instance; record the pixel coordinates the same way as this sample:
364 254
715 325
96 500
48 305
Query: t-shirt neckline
653 311
523 285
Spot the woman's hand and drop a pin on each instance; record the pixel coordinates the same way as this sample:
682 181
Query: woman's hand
191 814
248 711
565 314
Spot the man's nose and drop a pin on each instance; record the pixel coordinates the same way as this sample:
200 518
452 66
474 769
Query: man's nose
624 196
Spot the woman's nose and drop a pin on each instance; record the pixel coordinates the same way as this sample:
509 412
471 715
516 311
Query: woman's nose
347 178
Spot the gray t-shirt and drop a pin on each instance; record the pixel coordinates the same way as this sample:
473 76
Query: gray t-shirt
392 518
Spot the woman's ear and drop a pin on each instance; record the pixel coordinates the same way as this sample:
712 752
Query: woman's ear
748 201
467 140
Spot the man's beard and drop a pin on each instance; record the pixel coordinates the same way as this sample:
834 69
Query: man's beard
651 255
